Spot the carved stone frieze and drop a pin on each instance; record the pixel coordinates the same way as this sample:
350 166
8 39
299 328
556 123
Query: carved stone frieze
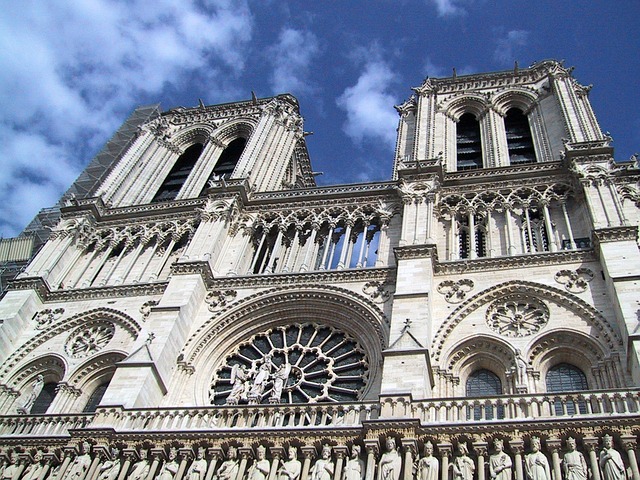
455 291
574 281
615 234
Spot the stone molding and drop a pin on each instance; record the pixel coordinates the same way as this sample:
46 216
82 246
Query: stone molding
616 234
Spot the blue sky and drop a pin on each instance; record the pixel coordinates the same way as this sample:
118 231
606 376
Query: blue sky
71 72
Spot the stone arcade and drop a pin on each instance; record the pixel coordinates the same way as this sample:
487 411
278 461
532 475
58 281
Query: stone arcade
202 310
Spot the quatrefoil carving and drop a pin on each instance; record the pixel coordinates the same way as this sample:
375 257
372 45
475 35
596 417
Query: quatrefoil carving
46 317
455 292
219 299
574 281
377 291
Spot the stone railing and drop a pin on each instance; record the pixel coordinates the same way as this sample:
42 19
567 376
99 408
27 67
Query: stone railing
513 408
566 406
42 425
236 417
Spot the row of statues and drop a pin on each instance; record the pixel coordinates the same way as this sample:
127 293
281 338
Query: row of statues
248 386
427 467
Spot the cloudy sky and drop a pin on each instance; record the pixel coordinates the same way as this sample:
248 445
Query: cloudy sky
72 71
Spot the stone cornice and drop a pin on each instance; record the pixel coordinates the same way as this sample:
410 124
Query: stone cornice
282 279
324 192
47 295
513 173
496 263
616 234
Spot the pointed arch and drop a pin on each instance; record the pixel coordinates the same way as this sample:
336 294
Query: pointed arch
609 337
64 325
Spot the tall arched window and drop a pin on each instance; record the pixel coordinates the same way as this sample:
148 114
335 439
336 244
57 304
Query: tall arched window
178 174
95 398
484 383
44 400
519 140
468 143
565 377
228 160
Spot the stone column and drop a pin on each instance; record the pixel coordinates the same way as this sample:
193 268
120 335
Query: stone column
372 453
591 444
129 454
547 222
277 453
553 444
65 462
341 453
410 446
345 246
480 449
186 454
311 240
48 460
511 248
517 447
158 455
309 453
567 222
216 454
100 452
629 443
445 450
245 454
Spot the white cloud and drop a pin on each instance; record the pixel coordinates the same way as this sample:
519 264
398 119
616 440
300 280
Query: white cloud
448 7
508 45
291 59
369 105
71 71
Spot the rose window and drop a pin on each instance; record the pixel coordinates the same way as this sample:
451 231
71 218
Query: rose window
292 364
517 317
84 341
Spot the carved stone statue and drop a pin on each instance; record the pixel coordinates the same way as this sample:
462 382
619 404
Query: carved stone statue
110 469
280 378
390 462
198 468
10 471
500 464
32 472
520 364
259 470
229 468
463 466
239 377
140 469
290 470
574 465
30 396
428 465
80 464
169 467
323 468
354 468
536 465
611 462
260 381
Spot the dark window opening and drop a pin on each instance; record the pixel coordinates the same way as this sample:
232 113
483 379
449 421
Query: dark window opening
468 143
519 139
45 399
95 398
178 174
484 383
567 378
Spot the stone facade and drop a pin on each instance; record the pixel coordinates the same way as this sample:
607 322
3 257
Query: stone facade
208 311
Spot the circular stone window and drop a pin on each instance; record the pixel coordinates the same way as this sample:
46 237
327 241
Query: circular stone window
517 317
86 340
292 364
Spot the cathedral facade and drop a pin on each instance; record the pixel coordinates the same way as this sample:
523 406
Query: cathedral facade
204 310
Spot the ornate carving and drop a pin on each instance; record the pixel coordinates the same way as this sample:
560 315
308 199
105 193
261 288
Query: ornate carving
46 317
85 341
377 291
575 281
455 291
517 316
219 299
146 307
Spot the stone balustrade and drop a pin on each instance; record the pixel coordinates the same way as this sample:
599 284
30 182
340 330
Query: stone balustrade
42 425
242 417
